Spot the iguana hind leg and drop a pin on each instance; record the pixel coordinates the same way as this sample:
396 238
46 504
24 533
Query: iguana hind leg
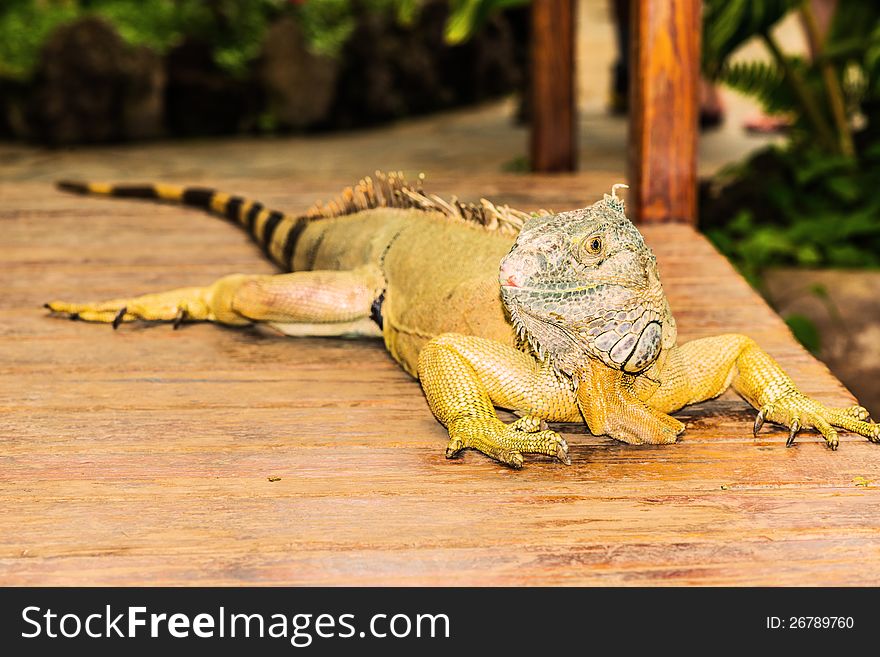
303 303
465 377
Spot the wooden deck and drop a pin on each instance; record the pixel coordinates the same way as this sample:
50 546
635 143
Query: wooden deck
219 456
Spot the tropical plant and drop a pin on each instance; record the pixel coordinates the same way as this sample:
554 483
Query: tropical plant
824 94
232 28
815 201
466 17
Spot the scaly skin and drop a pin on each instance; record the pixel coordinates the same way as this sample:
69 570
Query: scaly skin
580 329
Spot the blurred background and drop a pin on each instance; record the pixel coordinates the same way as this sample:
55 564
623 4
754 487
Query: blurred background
195 90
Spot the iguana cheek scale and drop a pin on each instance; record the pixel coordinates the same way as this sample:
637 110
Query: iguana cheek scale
557 317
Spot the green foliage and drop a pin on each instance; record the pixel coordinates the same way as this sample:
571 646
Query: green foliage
816 201
806 332
854 34
728 24
820 94
519 164
796 206
233 28
24 26
326 24
761 80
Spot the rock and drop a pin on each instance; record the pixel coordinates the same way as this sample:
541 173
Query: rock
389 71
143 110
202 99
90 86
299 86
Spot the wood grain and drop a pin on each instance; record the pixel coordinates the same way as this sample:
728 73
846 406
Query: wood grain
664 98
553 137
143 456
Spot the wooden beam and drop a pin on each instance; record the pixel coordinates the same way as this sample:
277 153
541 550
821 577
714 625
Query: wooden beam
664 96
554 115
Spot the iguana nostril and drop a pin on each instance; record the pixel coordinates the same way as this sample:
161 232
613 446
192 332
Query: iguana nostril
510 275
517 269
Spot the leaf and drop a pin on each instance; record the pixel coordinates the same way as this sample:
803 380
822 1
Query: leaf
843 187
407 11
467 16
819 164
763 81
742 222
852 19
847 255
808 255
819 290
728 24
463 20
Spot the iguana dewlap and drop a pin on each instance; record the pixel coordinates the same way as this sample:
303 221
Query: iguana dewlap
558 317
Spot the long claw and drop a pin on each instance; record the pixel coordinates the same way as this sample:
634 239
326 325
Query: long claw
119 316
795 427
562 455
514 460
759 422
454 448
179 318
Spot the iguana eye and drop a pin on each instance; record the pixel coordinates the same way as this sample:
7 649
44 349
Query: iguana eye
591 247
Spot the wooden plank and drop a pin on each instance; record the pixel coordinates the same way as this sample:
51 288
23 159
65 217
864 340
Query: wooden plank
553 103
664 97
143 456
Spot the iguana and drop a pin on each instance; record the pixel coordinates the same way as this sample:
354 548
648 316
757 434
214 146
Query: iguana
557 317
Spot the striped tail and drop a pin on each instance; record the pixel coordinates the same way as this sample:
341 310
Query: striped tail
275 231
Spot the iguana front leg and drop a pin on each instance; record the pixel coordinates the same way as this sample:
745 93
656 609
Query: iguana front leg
301 303
465 377
703 369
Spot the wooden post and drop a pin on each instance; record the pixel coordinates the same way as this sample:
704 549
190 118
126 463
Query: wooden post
553 110
663 105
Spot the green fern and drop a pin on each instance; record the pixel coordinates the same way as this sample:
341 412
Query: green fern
763 81
728 24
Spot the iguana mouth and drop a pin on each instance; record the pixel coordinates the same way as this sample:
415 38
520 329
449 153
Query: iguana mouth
514 288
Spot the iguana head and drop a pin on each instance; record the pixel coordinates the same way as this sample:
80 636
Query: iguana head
584 284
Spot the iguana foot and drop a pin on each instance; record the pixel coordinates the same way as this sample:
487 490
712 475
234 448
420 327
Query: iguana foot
506 442
116 311
797 412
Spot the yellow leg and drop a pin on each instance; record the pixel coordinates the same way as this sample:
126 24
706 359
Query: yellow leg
705 368
461 375
210 303
325 298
